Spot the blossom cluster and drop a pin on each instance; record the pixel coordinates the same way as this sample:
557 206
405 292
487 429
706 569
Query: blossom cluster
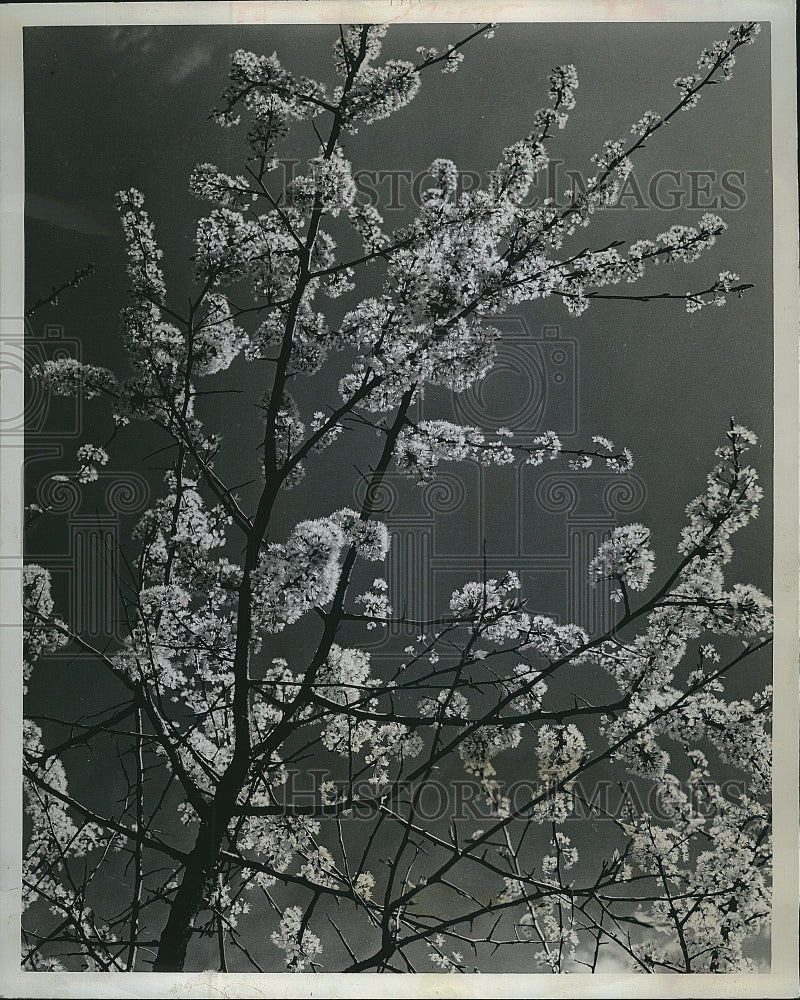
358 41
560 752
454 962
328 187
70 377
346 680
180 526
216 341
229 246
378 92
89 457
41 633
376 603
54 837
646 123
144 272
718 895
270 93
492 607
480 747
299 945
210 183
625 556
565 857
456 355
614 158
292 578
716 296
731 501
563 82
278 841
686 243
422 447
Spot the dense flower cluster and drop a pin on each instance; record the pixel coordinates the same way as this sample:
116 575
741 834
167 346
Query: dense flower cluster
563 84
41 632
379 91
346 680
479 748
421 448
560 752
328 187
358 41
228 245
216 341
70 377
292 578
212 184
270 93
277 841
144 272
625 556
731 500
686 243
717 896
376 603
371 538
299 945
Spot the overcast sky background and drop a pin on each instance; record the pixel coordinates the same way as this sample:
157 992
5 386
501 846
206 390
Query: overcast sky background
112 107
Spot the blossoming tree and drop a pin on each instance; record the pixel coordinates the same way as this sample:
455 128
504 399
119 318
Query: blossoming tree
208 720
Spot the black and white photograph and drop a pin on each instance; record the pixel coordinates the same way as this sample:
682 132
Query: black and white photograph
398 468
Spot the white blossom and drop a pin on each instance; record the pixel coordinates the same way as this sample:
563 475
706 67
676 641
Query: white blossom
625 556
293 577
300 946
70 377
